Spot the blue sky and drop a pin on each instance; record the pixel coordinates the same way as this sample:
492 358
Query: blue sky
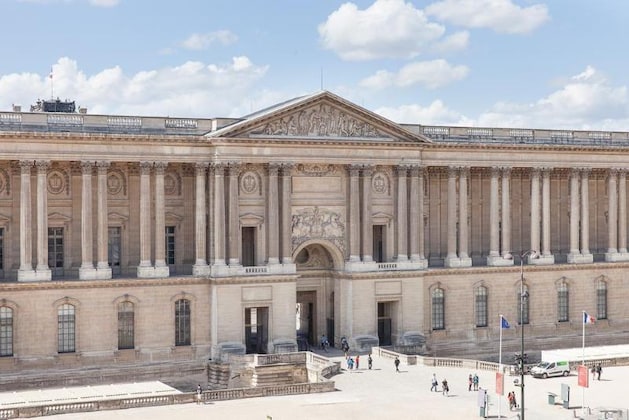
514 63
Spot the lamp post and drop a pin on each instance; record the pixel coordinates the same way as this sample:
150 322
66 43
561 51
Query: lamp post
523 296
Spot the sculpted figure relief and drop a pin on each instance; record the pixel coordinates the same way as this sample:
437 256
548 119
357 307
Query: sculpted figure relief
322 121
313 223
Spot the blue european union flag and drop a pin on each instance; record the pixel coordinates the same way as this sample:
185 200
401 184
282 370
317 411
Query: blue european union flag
504 323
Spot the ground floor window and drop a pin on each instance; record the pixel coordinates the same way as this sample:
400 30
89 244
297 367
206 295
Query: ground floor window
182 322
6 331
126 318
66 331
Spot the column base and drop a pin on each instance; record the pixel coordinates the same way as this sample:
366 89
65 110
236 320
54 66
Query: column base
616 256
91 273
499 261
456 262
574 258
200 270
34 275
542 260
153 272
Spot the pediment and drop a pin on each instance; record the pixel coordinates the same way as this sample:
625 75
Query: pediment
322 116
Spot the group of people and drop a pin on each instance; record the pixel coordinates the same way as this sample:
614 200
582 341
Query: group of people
445 388
472 382
511 398
596 371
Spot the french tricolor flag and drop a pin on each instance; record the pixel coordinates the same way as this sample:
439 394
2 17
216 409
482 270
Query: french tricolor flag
588 319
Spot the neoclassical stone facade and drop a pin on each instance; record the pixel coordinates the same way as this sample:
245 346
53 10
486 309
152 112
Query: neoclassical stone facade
141 238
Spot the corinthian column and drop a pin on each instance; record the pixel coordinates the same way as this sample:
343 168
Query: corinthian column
86 271
622 211
451 256
286 212
585 215
102 223
145 217
494 218
200 267
414 214
273 215
25 273
43 270
464 257
354 214
367 239
234 216
574 254
506 211
535 210
546 255
219 214
402 205
612 215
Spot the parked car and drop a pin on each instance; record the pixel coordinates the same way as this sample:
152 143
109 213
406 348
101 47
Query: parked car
546 369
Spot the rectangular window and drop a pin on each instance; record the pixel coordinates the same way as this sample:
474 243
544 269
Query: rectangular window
55 251
438 310
126 318
523 308
6 331
481 306
182 322
248 246
66 329
562 305
378 243
601 301
113 248
170 245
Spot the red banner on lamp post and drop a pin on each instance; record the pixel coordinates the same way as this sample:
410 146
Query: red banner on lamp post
584 378
500 382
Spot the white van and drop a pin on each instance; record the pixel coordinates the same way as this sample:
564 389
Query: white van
546 369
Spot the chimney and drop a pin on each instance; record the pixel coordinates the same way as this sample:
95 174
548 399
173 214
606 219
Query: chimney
17 108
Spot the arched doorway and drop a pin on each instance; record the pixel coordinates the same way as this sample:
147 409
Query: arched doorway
315 295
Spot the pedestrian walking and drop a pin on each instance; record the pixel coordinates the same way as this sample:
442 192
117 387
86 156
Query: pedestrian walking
599 369
324 343
199 394
470 381
396 362
369 361
357 361
435 383
475 380
445 389
350 363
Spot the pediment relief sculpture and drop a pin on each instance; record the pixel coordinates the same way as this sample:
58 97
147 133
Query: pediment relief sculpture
322 120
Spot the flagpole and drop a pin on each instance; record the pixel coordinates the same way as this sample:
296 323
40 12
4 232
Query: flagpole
500 369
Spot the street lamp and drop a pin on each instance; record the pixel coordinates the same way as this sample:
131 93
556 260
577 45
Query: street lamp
523 296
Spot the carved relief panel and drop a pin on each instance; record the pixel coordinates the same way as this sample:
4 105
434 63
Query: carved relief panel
318 223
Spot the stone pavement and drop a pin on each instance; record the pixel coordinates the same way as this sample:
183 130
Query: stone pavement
382 393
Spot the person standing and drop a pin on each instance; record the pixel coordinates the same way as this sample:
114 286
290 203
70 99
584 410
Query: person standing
396 362
435 383
469 382
357 361
599 369
199 394
475 380
445 389
369 361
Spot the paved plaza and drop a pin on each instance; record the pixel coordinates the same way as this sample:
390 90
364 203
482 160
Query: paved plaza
381 393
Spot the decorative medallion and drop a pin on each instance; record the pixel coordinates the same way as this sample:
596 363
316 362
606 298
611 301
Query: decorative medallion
249 183
56 182
380 183
170 184
115 182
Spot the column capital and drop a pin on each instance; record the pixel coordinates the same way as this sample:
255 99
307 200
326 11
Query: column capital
495 171
274 168
452 171
86 167
575 171
102 166
160 167
42 165
402 169
415 170
145 168
535 171
506 170
200 168
25 166
234 168
353 169
464 171
368 170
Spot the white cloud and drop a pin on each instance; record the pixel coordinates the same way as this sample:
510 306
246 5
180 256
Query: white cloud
499 15
386 29
430 74
204 41
193 89
437 113
454 42
586 101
